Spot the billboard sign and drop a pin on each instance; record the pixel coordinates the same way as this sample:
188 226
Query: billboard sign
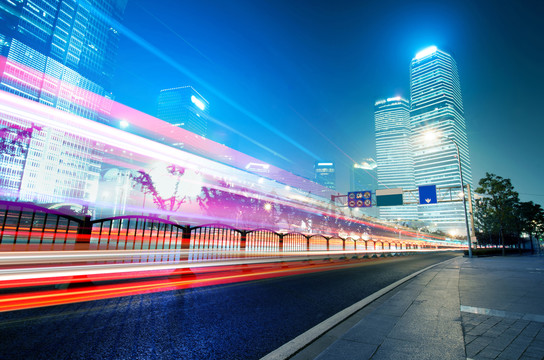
389 197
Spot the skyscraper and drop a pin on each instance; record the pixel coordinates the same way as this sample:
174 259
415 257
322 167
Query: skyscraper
437 107
394 154
60 53
184 107
325 174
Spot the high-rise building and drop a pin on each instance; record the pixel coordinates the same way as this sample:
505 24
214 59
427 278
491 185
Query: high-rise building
184 107
60 53
436 107
394 154
325 174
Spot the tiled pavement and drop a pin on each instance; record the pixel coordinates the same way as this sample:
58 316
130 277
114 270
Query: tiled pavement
480 308
498 337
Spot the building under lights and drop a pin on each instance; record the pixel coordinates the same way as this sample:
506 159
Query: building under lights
364 175
436 106
325 174
60 53
394 154
184 107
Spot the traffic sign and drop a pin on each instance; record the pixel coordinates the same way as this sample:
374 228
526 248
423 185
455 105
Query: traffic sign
360 198
389 197
427 194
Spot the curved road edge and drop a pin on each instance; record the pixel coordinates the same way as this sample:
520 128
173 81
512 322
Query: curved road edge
292 347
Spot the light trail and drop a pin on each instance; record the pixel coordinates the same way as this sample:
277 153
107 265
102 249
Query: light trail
23 266
178 67
134 152
156 280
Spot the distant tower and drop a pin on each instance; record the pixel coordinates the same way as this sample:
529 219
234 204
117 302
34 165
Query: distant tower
394 154
364 176
184 107
436 106
325 174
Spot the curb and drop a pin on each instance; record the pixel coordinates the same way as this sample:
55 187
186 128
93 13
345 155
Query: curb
292 347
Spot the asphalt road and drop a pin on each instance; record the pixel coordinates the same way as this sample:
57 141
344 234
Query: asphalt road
235 321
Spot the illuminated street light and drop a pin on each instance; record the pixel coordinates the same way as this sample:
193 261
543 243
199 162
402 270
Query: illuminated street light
268 206
430 136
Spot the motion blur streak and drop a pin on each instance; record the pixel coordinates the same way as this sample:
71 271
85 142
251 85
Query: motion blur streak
158 281
19 266
176 65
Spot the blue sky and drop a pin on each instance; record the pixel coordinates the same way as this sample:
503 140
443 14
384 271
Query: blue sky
312 70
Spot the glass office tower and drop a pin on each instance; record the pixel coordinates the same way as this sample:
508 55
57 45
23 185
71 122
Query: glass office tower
325 174
394 154
436 107
60 53
184 107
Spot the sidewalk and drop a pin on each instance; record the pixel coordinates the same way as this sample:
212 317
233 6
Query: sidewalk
480 308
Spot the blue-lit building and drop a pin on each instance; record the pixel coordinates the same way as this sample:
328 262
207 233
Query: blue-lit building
394 154
325 174
436 107
184 107
60 53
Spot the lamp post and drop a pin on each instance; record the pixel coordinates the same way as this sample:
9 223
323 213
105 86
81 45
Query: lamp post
463 191
429 136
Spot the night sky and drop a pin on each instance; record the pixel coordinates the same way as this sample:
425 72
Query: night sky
301 77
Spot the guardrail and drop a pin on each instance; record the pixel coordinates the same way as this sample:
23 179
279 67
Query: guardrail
27 227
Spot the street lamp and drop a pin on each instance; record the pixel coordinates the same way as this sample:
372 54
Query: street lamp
430 136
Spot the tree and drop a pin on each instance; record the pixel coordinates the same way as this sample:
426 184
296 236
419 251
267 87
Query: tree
497 207
14 139
531 217
170 203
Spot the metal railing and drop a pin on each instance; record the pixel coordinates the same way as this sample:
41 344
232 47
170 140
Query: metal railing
25 227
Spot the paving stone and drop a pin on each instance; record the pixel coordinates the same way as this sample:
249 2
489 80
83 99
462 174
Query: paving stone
529 357
532 329
479 330
489 353
373 330
469 338
344 349
474 348
535 352
400 349
426 323
511 352
501 342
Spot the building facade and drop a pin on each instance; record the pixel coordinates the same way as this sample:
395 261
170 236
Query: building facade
325 174
60 53
394 154
184 107
364 175
436 108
